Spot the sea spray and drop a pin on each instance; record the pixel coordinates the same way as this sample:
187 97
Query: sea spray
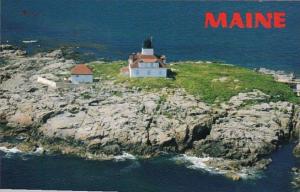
14 150
202 163
11 150
194 162
124 156
39 150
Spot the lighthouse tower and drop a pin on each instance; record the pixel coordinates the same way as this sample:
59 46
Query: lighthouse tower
147 48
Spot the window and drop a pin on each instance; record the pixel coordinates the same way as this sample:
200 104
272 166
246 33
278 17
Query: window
148 72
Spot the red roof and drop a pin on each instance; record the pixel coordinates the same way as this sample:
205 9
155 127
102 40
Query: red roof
148 58
136 58
81 69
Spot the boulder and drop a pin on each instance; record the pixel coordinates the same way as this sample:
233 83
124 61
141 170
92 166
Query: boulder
20 120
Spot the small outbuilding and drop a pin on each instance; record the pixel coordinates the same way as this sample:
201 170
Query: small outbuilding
81 74
297 89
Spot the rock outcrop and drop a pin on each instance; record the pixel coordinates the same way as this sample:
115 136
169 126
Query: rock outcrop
106 119
250 131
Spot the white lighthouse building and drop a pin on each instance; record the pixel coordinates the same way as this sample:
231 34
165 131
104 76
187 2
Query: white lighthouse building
146 63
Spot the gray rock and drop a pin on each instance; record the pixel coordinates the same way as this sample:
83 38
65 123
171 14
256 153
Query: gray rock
248 132
238 134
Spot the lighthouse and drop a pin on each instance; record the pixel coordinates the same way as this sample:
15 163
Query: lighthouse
146 63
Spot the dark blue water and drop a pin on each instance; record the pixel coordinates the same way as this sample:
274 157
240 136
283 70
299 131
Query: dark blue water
114 29
160 174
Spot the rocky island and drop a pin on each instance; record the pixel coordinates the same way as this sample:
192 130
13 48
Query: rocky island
233 115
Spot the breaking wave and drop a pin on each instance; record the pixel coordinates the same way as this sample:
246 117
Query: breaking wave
39 150
15 150
201 163
125 156
11 150
194 162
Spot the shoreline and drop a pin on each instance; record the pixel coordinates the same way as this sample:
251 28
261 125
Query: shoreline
117 118
190 162
72 47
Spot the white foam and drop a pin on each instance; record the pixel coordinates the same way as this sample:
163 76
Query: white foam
201 163
124 156
11 150
39 150
197 163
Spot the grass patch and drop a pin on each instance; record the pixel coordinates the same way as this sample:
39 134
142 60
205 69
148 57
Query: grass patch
107 70
210 82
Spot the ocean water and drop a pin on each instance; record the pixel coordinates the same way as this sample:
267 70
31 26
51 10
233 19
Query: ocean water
113 29
19 171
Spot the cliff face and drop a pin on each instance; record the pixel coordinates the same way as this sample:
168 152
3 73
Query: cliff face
105 119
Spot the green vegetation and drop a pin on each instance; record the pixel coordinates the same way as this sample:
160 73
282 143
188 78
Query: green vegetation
107 70
211 82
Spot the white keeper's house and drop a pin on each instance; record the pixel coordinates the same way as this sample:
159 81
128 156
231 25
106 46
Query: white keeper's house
81 74
146 63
